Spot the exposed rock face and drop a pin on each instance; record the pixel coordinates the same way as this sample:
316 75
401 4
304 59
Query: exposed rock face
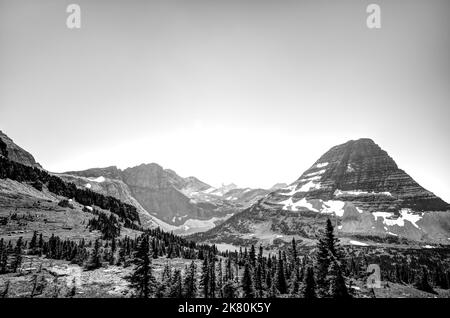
357 184
109 172
160 192
13 152
360 171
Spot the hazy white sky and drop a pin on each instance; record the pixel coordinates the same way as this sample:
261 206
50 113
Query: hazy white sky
250 92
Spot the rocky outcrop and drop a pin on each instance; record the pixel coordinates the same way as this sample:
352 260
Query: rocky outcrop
13 152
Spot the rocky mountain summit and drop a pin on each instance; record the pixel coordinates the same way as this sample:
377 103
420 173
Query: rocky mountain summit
358 185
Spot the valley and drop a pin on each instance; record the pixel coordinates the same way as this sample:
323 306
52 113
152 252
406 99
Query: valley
93 224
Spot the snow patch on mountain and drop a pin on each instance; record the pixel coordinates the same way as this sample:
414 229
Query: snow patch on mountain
311 185
322 164
405 215
357 243
293 206
98 180
333 206
338 193
315 173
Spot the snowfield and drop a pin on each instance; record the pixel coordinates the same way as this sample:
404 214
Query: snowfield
359 192
405 215
336 207
98 180
322 164
291 206
358 243
315 173
311 185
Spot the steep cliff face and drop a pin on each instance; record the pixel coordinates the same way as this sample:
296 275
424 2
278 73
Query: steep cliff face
360 171
358 185
160 192
13 152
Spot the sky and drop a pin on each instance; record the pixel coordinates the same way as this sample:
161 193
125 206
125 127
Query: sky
250 92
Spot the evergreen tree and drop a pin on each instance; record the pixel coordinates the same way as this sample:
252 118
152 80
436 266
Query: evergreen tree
422 282
336 282
293 256
327 250
229 289
190 281
212 276
40 244
220 279
17 255
294 285
258 280
309 290
94 261
142 280
247 282
205 278
176 287
281 279
33 243
252 256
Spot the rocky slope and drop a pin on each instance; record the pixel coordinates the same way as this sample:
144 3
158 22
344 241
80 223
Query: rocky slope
161 193
358 185
13 152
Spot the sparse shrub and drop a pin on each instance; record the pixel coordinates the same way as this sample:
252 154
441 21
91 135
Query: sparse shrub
65 204
37 185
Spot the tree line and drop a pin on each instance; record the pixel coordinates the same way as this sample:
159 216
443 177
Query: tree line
37 178
327 271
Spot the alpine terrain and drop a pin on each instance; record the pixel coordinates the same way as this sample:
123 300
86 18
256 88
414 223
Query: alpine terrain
356 184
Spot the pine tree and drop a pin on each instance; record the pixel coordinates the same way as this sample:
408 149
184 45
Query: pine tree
17 255
33 243
229 289
252 256
94 261
422 282
294 285
258 280
176 287
293 256
205 278
327 250
281 279
228 269
309 290
219 283
212 276
247 282
142 280
40 244
190 281
163 288
336 282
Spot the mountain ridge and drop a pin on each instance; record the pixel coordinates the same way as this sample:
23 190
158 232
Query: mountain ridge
357 184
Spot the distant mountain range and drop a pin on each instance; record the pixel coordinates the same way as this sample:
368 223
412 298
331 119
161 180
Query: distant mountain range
162 197
356 184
